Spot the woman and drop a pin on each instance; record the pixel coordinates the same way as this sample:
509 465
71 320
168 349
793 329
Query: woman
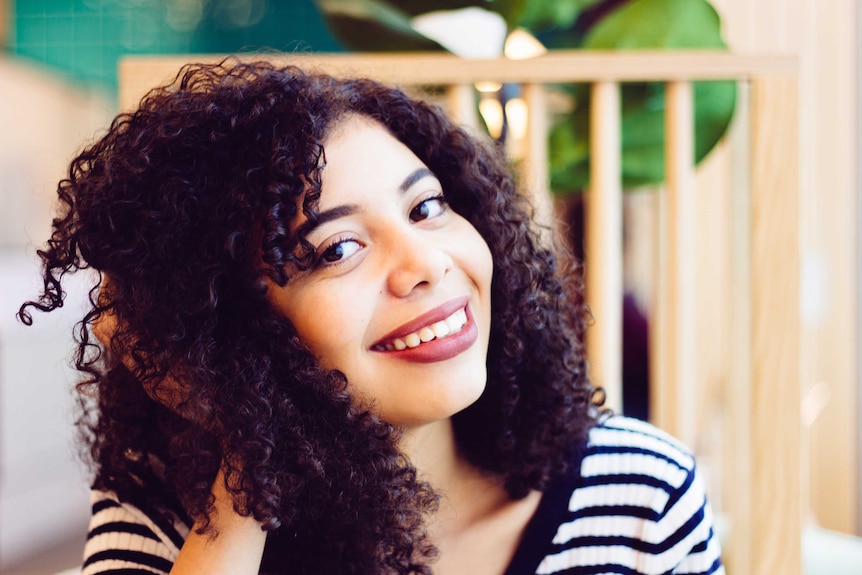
336 345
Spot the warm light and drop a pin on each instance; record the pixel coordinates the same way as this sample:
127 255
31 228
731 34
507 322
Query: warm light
521 45
516 117
470 32
489 87
492 112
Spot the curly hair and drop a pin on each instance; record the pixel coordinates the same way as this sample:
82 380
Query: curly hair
178 204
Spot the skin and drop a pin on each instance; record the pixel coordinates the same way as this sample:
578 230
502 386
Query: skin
237 550
395 258
395 253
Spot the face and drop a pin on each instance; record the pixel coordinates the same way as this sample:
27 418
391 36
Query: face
399 300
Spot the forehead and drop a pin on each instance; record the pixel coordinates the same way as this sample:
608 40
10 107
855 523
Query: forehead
362 163
356 136
361 156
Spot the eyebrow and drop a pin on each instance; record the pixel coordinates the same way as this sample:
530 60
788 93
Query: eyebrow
414 177
350 209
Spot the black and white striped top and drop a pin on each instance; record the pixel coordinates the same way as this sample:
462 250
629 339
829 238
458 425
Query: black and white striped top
637 507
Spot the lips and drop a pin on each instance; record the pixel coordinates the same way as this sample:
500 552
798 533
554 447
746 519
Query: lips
436 335
438 330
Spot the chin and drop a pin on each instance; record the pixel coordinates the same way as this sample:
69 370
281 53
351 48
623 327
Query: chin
466 396
439 407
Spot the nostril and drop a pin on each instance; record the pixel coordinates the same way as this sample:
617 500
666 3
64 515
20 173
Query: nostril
418 261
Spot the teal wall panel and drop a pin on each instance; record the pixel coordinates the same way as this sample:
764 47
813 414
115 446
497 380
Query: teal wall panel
83 39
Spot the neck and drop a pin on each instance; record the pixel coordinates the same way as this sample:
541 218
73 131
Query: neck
467 493
431 448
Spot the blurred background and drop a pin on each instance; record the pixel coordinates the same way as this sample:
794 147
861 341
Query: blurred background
58 90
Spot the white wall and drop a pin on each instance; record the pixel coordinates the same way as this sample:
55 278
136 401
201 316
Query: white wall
43 487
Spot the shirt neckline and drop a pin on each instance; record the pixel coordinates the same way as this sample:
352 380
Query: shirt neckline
538 536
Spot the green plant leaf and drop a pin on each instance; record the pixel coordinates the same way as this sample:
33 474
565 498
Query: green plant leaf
510 10
572 25
642 133
645 24
373 26
385 26
558 14
417 7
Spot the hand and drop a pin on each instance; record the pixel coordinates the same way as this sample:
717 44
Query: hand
238 547
104 326
168 390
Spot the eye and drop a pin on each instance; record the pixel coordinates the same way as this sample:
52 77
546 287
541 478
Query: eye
428 208
338 251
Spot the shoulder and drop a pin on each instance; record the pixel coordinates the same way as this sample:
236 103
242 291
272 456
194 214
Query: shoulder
131 536
631 469
637 506
628 448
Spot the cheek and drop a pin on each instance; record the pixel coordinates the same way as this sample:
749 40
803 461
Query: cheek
481 262
331 325
472 250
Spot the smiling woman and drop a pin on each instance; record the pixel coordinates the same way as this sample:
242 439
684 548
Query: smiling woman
331 341
396 267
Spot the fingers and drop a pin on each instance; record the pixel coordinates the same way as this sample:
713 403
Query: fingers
169 389
104 327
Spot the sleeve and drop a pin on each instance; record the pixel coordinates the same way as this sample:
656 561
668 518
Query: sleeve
123 539
686 527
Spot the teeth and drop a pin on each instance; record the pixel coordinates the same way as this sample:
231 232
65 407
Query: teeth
412 340
456 321
426 334
440 329
452 324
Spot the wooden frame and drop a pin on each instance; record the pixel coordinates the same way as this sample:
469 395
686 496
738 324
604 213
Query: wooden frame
766 511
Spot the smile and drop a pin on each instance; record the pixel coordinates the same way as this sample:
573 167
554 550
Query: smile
438 330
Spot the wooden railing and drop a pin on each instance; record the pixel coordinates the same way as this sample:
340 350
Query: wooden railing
766 506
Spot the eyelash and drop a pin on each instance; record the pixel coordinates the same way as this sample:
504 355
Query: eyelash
321 262
440 197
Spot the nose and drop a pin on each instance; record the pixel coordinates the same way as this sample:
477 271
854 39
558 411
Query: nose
417 262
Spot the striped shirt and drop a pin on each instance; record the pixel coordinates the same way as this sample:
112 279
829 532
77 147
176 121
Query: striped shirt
129 539
637 507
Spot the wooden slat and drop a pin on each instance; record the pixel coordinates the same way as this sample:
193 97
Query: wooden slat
138 74
604 241
461 105
776 479
673 401
738 452
535 160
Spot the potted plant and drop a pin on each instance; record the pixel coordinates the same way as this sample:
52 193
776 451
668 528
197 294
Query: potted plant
402 25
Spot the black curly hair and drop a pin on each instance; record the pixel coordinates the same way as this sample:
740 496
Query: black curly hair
178 204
